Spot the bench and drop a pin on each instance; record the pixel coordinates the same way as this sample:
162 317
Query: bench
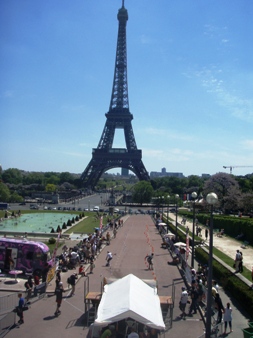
244 244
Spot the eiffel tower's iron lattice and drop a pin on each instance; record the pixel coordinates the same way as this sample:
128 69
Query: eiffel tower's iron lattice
104 157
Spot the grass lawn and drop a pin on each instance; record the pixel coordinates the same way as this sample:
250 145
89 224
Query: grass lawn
87 225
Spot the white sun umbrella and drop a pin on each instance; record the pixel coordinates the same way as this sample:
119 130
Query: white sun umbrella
169 234
180 244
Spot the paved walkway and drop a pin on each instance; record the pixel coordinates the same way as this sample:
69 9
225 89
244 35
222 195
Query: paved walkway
137 238
225 244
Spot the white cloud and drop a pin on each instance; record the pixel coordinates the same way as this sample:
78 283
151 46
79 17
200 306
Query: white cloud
169 134
145 40
238 107
248 144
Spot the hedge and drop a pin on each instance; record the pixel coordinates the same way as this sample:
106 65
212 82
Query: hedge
229 281
233 226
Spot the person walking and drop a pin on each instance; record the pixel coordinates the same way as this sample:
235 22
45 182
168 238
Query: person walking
20 308
150 261
72 281
183 302
58 293
228 318
108 258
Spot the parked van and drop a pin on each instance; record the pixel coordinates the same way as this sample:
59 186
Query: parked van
96 208
28 256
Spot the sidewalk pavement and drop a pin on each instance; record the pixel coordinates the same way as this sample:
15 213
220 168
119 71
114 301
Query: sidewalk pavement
137 238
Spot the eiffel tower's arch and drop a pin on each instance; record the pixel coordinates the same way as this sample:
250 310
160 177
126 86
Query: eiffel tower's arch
104 157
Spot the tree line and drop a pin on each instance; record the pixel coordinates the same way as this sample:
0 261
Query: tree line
234 192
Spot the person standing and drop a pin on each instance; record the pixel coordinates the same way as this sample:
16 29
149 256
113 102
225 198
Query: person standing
183 302
114 232
20 308
29 288
11 263
237 260
206 234
58 277
58 293
228 318
240 267
194 297
219 306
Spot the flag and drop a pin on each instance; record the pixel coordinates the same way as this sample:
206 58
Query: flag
187 246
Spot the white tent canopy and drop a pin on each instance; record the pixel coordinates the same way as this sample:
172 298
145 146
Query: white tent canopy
130 297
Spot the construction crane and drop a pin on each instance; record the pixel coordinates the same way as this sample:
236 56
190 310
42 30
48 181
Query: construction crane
236 166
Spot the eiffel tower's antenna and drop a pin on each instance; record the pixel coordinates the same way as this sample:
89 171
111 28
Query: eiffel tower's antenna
123 2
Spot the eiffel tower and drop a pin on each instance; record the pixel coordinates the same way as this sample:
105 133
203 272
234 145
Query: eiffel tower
104 157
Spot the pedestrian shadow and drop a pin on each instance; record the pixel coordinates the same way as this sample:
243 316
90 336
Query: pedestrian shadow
77 322
49 317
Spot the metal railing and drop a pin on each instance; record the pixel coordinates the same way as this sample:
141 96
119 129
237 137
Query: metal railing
7 321
8 303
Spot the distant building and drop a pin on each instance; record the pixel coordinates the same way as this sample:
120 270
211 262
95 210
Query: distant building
124 172
205 176
163 173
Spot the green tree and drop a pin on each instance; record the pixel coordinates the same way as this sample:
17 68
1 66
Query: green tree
142 192
15 198
50 187
246 203
4 193
246 185
66 177
33 177
52 179
12 176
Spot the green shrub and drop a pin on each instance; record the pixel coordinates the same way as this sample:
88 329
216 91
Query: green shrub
51 240
229 281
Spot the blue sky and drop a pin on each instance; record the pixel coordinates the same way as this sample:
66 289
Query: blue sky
190 83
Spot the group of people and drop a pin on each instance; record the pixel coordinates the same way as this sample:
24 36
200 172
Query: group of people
193 296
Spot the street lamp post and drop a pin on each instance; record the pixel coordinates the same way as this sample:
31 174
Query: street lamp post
162 207
176 197
168 210
101 200
211 199
194 196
